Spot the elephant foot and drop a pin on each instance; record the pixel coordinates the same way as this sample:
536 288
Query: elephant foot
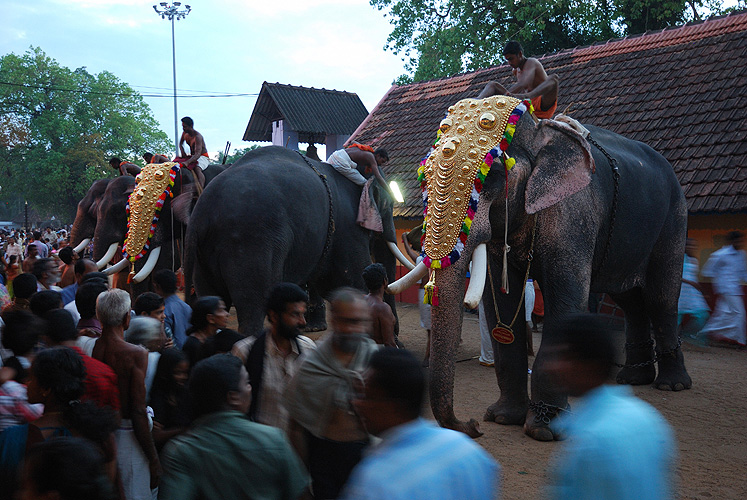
539 432
637 375
316 327
672 374
471 428
537 423
504 414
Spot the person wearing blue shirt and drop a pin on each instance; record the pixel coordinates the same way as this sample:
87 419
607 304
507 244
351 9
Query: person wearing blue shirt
619 447
178 313
416 458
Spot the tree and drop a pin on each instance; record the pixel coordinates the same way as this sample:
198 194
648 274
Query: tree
439 38
66 124
237 154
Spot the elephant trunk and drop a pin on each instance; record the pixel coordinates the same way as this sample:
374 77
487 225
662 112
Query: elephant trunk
446 326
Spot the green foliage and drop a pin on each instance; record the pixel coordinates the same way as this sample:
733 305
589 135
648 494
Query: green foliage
440 38
237 154
65 125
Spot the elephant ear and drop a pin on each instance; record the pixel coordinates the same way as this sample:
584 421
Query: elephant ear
563 166
181 205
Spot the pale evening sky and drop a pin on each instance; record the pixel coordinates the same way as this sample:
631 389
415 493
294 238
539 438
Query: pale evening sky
223 46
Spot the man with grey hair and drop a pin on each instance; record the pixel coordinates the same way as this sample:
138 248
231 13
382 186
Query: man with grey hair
323 426
136 454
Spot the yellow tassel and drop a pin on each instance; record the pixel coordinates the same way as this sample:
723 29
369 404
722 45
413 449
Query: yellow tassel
131 276
430 290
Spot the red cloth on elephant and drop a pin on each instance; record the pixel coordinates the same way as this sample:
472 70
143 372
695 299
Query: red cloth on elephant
368 213
539 302
537 103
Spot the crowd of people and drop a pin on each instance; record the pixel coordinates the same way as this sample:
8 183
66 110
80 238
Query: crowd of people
154 398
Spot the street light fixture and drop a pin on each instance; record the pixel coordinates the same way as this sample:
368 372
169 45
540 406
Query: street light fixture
173 12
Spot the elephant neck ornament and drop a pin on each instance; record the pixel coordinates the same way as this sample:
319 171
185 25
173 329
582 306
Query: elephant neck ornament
153 186
474 134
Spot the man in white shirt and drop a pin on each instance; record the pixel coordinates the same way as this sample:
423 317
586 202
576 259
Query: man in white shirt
728 268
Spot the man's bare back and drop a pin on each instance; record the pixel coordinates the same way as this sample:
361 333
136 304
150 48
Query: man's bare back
129 362
383 321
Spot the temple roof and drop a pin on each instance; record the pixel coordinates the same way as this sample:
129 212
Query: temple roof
313 113
681 90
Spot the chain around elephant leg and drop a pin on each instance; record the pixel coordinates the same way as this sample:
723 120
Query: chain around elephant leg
639 366
538 419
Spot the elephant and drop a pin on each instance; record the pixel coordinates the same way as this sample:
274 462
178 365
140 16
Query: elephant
111 227
279 216
85 216
601 213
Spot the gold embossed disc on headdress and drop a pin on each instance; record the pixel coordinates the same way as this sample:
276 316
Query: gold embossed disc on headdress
471 129
151 182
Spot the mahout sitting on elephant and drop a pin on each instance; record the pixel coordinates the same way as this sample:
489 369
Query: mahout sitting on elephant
102 216
278 216
600 213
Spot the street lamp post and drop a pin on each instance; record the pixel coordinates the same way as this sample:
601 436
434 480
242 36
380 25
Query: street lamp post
172 12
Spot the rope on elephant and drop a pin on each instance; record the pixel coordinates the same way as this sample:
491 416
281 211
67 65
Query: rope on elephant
331 222
616 177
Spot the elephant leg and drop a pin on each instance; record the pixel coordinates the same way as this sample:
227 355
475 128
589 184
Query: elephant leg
511 364
639 347
662 309
672 375
563 294
316 314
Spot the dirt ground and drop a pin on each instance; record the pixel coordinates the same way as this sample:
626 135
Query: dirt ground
709 420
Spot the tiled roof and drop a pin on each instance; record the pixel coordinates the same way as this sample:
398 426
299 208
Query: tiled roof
313 113
681 90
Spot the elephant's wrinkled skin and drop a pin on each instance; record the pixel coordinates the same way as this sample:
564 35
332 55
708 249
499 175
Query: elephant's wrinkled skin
642 271
85 216
266 220
111 221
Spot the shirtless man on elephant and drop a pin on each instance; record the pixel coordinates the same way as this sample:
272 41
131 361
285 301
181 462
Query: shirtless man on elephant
532 82
199 155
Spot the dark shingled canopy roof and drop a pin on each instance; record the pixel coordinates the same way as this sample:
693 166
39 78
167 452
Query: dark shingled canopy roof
313 113
681 90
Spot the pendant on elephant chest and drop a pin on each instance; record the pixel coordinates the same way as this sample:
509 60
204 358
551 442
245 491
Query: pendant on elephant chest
503 334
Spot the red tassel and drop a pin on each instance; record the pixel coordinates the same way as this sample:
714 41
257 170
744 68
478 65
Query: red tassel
434 300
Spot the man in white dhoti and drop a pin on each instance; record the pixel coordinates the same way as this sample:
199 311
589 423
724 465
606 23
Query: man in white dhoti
348 161
728 268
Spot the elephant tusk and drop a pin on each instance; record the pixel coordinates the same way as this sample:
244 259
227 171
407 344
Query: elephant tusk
149 265
477 276
399 255
119 266
83 244
408 280
107 256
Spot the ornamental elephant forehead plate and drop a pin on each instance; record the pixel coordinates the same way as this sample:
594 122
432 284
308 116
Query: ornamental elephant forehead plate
470 130
152 181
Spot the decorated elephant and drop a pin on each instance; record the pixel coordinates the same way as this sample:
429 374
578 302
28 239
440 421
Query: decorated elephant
86 215
279 216
540 199
168 222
